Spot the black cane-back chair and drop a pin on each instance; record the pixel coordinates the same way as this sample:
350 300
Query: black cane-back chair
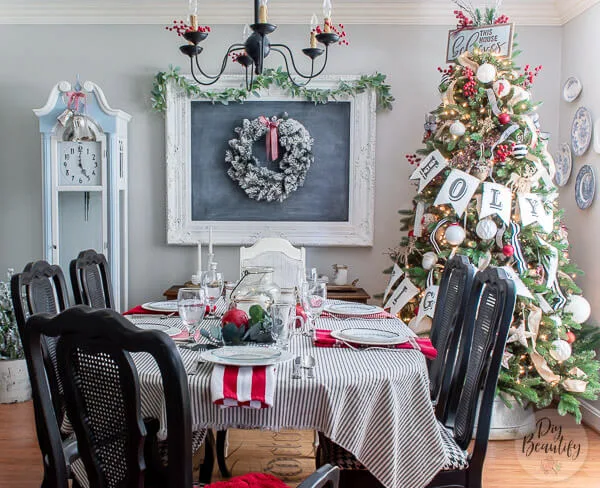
41 288
453 295
481 347
102 397
90 279
480 343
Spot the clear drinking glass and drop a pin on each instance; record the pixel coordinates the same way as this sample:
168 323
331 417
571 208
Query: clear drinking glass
283 316
213 283
191 304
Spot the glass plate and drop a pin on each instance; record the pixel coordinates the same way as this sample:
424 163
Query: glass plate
246 353
369 337
246 358
170 331
350 308
167 306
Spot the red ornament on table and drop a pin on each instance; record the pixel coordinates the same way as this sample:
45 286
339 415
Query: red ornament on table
571 338
504 118
508 250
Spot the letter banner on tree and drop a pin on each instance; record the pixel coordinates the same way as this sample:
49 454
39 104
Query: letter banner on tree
396 275
428 169
531 207
457 190
401 296
496 200
427 305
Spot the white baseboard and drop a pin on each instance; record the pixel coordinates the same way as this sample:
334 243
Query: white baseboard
591 415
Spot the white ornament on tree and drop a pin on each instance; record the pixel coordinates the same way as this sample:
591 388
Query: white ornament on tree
501 88
579 307
430 259
560 350
458 129
486 229
455 234
486 73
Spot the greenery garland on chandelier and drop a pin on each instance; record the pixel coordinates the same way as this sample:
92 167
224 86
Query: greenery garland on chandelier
279 78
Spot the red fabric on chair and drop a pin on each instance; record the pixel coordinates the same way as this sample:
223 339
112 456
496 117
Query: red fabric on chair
251 480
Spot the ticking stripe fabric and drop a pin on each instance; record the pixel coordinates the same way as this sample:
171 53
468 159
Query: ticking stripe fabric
373 403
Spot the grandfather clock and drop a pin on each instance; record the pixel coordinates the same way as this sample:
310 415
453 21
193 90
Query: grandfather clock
84 166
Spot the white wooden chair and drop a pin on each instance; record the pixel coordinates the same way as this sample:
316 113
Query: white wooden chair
288 262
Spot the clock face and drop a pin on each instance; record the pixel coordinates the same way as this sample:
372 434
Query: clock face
80 163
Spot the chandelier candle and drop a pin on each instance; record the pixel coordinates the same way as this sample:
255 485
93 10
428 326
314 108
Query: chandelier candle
314 22
327 8
193 8
210 241
263 11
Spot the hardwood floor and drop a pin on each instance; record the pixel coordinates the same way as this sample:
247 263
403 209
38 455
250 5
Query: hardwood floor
287 455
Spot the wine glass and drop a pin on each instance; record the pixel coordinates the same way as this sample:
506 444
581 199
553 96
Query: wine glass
212 283
313 297
191 304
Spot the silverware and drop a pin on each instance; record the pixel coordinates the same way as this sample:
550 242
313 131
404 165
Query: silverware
163 317
308 363
297 372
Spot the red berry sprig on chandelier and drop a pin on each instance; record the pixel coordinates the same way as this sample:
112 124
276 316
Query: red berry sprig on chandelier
181 27
337 30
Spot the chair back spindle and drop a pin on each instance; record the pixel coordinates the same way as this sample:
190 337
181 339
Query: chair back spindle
90 279
453 295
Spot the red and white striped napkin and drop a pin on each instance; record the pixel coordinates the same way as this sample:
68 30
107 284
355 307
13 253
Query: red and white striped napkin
250 387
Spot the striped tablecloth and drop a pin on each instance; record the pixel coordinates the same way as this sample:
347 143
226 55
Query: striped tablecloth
373 403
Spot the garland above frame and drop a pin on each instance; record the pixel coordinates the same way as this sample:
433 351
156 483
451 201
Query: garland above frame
270 77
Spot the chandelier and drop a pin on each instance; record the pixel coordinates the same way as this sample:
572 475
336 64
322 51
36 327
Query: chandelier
256 47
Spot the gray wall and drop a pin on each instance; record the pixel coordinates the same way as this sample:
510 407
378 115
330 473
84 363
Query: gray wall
123 59
579 41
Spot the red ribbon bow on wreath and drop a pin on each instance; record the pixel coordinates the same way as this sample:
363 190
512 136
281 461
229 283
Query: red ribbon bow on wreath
271 139
74 98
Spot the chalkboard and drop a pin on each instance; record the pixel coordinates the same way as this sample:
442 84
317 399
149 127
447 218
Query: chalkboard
325 196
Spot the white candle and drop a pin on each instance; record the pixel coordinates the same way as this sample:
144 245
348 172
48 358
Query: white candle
210 243
199 270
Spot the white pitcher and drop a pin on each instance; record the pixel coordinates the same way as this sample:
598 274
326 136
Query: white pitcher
341 274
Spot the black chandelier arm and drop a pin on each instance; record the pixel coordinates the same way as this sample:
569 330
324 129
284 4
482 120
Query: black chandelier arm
251 83
214 78
298 72
287 69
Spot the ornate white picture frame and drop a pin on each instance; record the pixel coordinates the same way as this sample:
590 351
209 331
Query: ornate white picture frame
357 231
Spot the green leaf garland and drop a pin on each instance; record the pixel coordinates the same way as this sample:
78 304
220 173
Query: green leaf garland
270 77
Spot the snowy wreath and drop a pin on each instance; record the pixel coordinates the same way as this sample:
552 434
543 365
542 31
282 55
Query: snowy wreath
261 183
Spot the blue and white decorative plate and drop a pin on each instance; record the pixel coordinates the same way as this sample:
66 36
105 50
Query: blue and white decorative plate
581 131
572 89
585 187
564 164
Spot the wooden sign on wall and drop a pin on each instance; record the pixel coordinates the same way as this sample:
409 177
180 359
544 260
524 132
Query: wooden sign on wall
488 38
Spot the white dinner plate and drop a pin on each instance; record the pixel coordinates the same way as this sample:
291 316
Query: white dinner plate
167 306
246 356
369 337
170 331
350 308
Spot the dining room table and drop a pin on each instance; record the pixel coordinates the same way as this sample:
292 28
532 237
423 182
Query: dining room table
373 402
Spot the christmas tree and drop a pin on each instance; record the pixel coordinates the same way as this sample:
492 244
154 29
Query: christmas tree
485 190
